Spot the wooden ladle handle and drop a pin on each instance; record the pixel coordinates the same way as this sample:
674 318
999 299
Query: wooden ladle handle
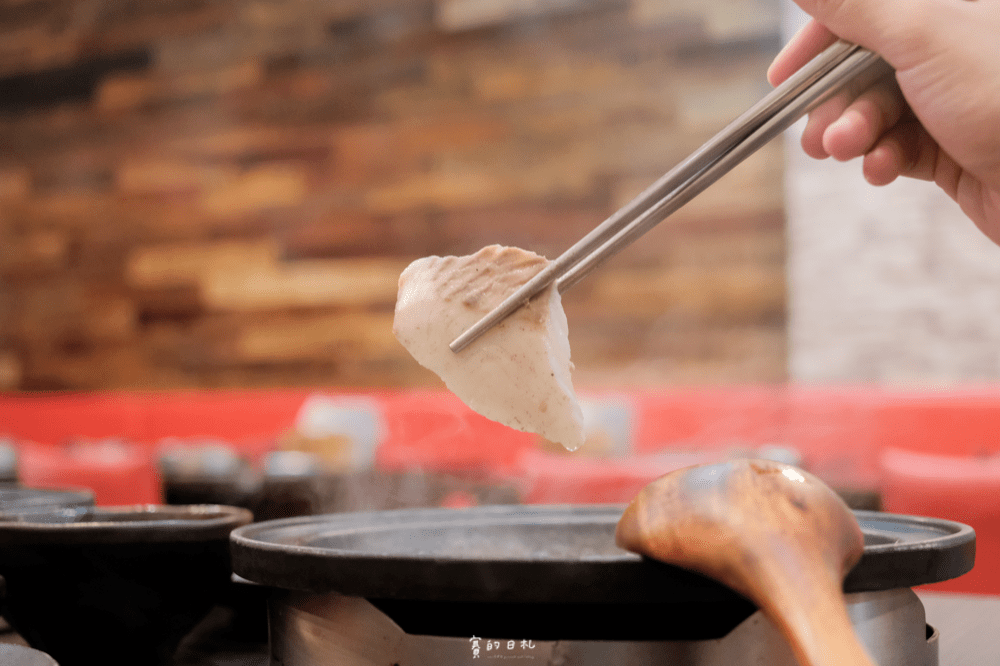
807 607
774 533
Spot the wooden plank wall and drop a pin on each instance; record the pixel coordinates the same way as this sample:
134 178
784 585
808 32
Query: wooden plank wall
209 193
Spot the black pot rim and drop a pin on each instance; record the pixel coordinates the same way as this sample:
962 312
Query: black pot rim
141 523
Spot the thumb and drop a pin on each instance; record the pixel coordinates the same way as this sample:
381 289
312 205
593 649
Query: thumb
903 32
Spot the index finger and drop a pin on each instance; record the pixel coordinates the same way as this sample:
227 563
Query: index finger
800 49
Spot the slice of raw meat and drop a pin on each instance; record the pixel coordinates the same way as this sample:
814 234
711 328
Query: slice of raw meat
519 372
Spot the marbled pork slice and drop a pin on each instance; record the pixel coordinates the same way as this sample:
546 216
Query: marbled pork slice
519 372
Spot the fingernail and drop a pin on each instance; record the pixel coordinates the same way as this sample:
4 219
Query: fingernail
839 125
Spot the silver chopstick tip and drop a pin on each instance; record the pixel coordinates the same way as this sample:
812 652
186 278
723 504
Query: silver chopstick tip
463 341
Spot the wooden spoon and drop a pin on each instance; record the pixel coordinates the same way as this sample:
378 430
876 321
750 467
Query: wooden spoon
774 533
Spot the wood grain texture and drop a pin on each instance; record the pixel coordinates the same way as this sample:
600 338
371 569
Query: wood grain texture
774 533
224 193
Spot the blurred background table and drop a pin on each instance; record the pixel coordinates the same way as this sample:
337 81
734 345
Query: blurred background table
968 625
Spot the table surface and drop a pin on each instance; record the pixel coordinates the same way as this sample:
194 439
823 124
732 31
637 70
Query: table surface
969 626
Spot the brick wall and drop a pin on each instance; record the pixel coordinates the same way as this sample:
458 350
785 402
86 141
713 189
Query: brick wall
223 192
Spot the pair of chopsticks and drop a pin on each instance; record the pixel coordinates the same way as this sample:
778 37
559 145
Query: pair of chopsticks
820 79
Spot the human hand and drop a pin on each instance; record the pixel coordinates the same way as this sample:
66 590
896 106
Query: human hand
938 120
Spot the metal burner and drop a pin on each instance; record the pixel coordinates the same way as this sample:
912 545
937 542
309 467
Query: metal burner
307 630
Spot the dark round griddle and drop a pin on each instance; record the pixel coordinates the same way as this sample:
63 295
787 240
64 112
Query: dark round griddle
531 554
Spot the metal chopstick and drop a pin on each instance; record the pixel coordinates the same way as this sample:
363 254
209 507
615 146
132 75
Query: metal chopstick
820 79
853 67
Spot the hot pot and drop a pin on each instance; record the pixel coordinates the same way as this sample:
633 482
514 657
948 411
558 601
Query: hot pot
547 584
15 498
114 586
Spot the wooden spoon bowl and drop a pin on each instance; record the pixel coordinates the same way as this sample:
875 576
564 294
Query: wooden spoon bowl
770 531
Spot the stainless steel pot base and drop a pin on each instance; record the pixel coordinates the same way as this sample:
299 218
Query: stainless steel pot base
314 630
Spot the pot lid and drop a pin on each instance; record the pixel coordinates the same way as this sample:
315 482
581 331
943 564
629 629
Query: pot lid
542 554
